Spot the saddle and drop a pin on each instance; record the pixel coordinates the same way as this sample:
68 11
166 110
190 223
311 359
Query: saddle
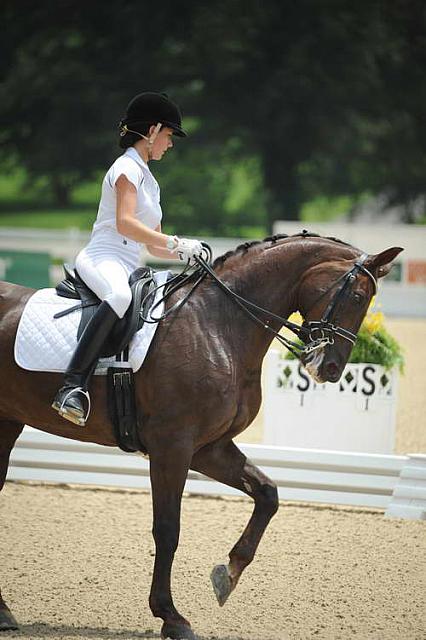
141 283
120 383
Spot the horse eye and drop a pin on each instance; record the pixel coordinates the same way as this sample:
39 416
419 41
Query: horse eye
358 298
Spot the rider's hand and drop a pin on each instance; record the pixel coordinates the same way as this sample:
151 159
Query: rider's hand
188 249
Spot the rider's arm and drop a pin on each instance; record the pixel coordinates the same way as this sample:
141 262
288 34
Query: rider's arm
158 252
127 223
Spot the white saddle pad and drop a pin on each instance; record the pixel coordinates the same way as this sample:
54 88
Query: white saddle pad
44 343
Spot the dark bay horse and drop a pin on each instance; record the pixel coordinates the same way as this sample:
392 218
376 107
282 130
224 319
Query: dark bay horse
200 384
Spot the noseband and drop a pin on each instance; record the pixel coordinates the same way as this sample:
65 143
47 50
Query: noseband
322 332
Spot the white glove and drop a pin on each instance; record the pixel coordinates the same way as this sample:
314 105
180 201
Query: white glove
187 249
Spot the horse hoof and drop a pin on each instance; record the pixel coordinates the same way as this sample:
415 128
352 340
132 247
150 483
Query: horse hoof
176 632
7 621
221 583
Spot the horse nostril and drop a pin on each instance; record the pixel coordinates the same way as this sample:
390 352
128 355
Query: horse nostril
332 370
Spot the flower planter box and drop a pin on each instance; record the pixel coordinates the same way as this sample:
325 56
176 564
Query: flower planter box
356 414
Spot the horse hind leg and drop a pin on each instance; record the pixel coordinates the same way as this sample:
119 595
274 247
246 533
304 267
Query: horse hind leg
227 464
9 432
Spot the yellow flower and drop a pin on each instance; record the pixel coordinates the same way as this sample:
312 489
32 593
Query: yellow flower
373 321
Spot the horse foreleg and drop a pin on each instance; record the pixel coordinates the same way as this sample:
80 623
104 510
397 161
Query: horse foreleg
227 464
168 474
9 431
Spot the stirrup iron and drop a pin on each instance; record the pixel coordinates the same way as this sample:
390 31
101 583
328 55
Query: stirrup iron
64 412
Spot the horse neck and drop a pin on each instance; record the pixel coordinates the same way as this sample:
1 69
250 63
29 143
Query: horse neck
267 277
270 276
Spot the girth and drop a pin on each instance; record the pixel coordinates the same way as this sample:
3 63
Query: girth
141 282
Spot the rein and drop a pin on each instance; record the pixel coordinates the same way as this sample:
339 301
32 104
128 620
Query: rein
172 285
315 333
246 305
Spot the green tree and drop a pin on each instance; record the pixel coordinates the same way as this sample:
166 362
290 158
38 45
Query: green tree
68 69
328 96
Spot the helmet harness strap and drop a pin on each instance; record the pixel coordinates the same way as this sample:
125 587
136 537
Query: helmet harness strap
150 140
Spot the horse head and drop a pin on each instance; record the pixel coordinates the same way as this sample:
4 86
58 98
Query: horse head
341 290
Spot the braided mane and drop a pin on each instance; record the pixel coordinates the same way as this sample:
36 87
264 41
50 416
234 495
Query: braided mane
242 248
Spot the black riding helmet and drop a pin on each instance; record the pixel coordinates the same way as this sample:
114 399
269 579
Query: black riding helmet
149 108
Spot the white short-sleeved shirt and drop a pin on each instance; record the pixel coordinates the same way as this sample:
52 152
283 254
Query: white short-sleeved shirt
148 209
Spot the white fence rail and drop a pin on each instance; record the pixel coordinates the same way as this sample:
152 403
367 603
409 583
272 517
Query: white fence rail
306 475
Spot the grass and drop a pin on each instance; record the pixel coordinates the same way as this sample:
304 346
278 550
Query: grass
51 219
83 219
28 206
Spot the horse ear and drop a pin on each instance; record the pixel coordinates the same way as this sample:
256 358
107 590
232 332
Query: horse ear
381 263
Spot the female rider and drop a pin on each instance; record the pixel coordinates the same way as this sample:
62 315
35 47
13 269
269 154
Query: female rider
129 214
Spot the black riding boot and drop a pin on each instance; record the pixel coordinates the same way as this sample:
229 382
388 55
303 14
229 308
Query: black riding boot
70 400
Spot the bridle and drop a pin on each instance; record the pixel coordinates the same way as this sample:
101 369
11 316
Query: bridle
314 334
322 332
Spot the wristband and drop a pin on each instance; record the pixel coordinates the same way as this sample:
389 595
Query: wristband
172 243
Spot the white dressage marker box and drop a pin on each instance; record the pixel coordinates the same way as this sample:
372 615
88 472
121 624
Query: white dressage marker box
356 414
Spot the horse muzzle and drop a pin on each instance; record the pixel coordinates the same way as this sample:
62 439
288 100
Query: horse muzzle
312 362
331 370
322 367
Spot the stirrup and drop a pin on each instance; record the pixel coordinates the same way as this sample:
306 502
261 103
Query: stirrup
69 414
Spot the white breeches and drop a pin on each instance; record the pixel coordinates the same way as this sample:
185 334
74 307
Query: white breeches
108 277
